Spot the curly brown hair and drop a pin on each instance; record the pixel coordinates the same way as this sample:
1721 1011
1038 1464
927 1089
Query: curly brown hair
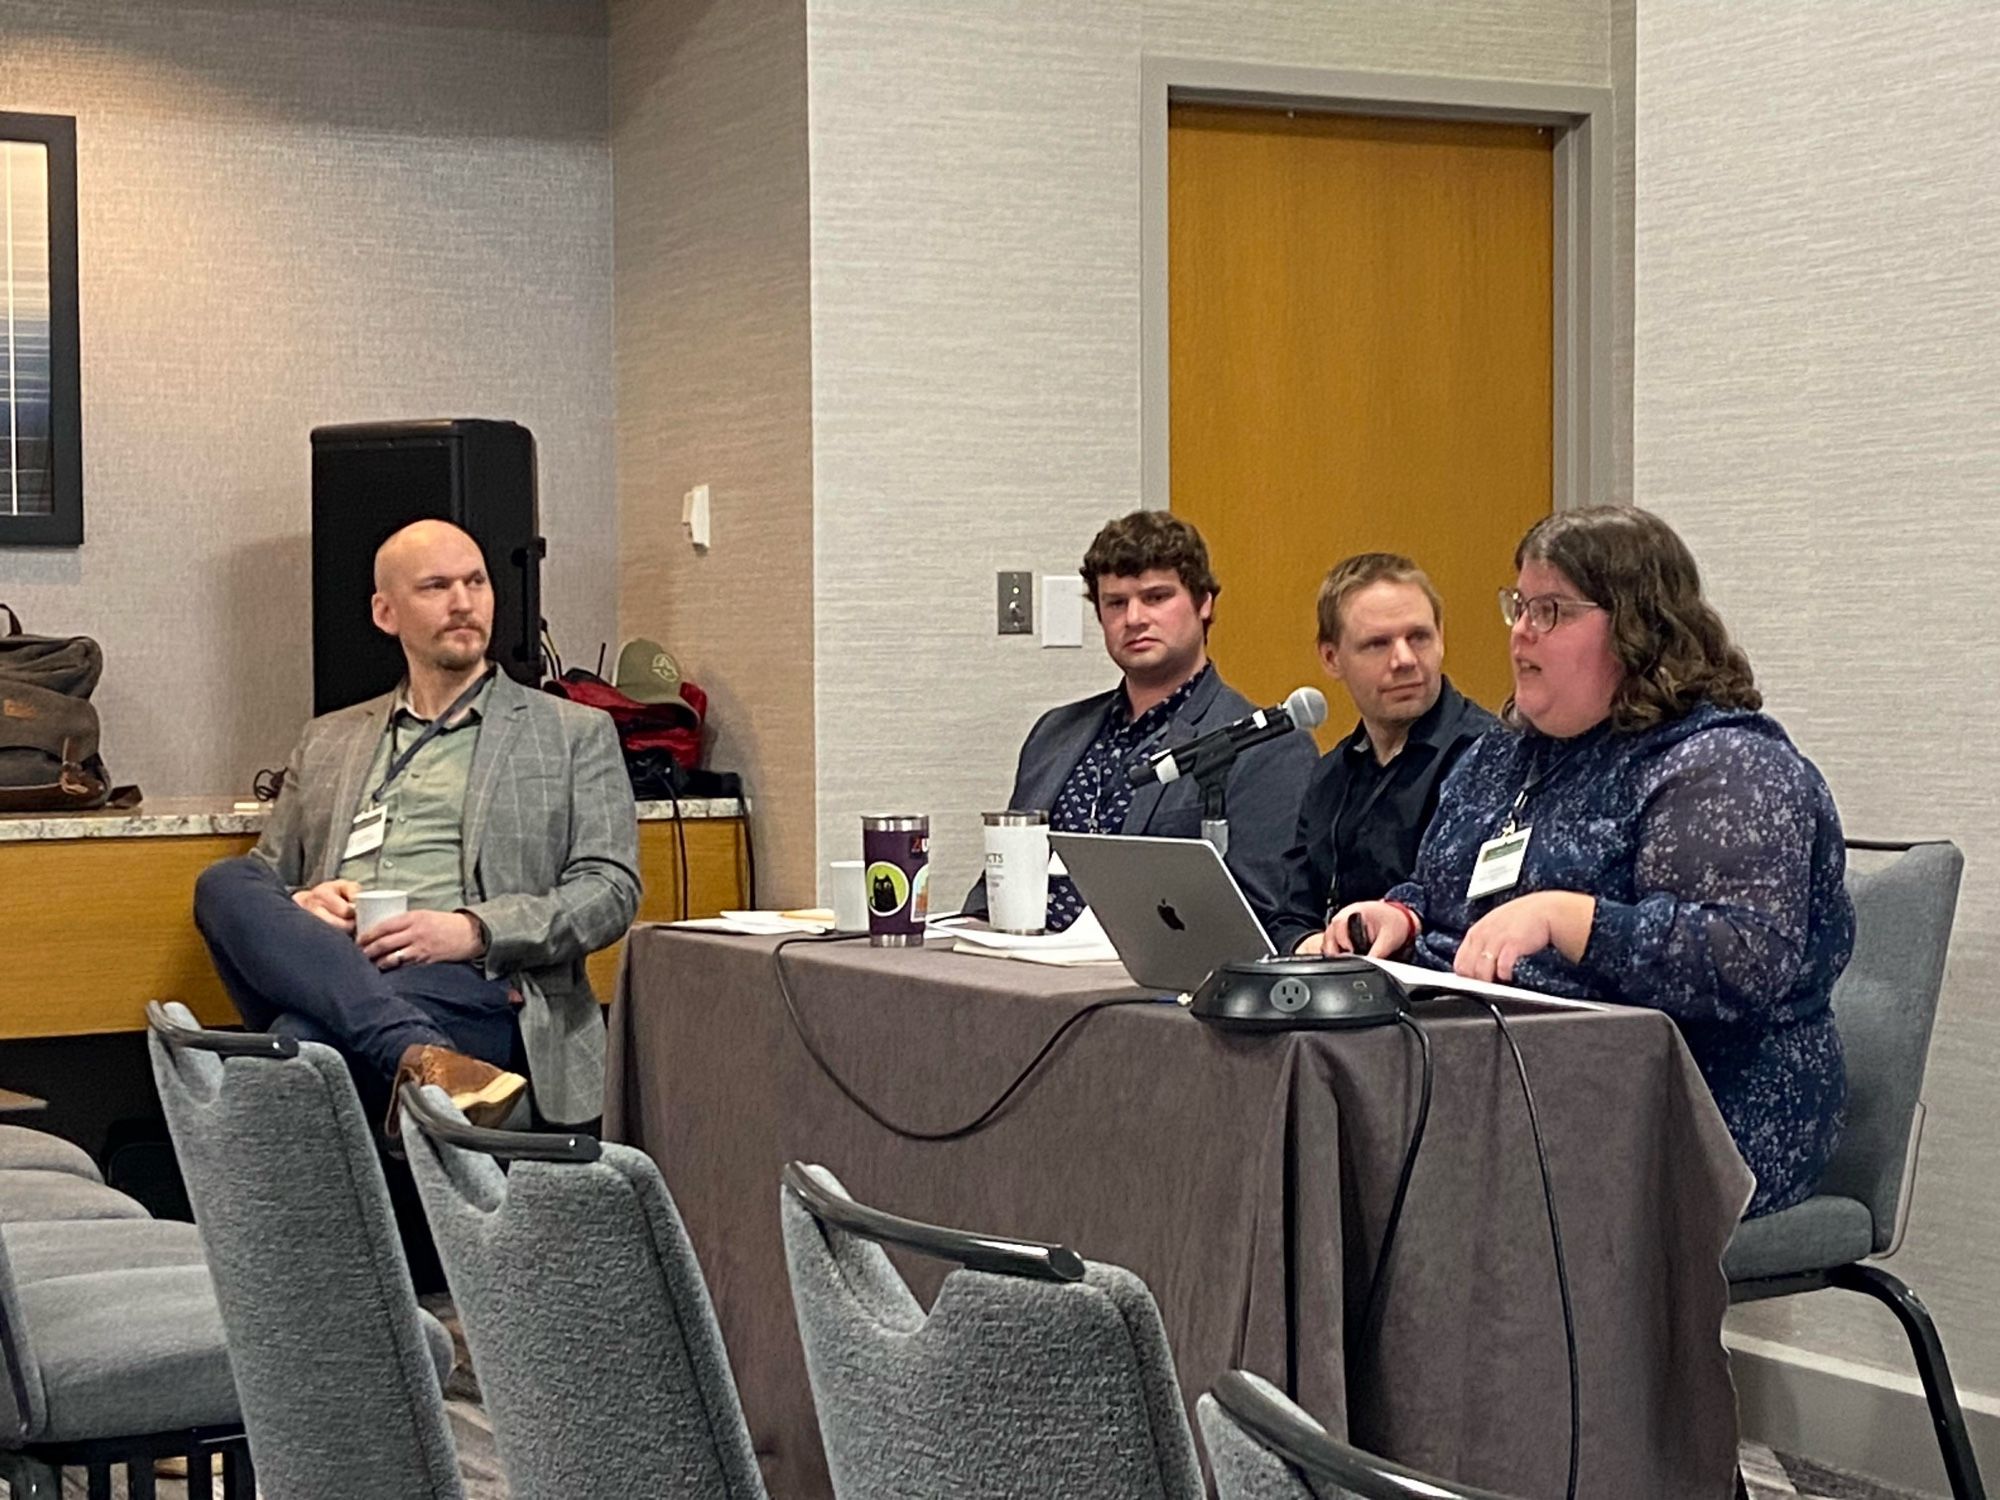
1143 541
1674 647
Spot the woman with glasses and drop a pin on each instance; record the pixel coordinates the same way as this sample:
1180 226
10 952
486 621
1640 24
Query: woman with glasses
1640 832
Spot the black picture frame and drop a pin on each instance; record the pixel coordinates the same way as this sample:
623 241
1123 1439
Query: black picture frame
60 525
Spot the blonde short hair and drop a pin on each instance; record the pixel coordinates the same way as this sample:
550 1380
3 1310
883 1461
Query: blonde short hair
1353 574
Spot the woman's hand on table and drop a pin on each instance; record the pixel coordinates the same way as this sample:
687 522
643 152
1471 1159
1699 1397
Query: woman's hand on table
1523 927
1389 929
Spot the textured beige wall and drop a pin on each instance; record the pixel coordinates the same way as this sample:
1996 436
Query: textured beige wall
975 241
714 349
1816 409
1624 109
291 214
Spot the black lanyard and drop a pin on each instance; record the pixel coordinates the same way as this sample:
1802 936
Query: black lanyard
1564 759
1109 759
431 730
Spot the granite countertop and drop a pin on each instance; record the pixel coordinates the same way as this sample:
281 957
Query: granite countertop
184 817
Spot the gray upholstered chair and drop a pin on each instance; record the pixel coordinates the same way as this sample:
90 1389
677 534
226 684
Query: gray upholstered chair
113 1349
338 1370
31 1195
1884 1004
1034 1373
44 1177
22 1149
1263 1447
589 1322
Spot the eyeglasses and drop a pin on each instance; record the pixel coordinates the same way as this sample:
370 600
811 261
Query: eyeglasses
1544 612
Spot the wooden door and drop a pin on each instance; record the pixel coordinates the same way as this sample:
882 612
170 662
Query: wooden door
1361 327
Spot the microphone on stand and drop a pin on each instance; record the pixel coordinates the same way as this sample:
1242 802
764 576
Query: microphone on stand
1305 709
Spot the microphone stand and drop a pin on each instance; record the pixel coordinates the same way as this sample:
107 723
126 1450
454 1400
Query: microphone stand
1212 776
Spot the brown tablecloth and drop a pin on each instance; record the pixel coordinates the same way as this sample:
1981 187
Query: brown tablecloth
1246 1179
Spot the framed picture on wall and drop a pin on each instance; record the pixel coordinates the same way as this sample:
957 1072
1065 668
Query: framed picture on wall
41 416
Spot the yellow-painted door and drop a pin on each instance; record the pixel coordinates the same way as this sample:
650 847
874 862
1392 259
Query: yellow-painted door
1361 360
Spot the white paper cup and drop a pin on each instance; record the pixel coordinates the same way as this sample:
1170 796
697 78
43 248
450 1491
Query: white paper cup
850 895
371 907
1017 871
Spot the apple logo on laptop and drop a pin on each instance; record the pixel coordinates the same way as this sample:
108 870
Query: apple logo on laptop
1171 917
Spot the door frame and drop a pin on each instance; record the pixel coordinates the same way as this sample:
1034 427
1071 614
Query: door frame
1585 239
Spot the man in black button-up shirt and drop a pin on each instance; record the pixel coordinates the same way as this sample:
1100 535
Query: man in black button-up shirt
1371 797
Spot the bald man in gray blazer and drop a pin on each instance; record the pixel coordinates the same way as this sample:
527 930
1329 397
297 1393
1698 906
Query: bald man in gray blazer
507 815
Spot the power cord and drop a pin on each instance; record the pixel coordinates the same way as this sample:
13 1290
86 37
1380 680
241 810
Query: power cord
749 851
1372 1315
1371 1320
680 845
1555 1239
959 1132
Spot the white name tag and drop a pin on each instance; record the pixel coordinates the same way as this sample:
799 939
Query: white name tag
1498 866
365 837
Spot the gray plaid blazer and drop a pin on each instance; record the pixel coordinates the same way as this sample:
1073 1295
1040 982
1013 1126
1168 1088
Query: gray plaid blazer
551 858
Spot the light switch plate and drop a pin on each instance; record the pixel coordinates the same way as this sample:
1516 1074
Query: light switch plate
694 516
1016 603
1062 610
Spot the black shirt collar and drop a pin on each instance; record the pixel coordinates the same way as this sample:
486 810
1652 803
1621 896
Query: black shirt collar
1436 728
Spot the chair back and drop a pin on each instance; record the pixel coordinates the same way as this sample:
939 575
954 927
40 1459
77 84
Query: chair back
336 1375
1263 1447
1884 1004
1040 1374
590 1325
23 1403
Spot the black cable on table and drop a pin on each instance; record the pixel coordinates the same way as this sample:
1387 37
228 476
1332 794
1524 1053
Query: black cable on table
985 1116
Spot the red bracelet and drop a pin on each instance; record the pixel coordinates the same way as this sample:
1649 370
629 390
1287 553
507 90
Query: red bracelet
1415 925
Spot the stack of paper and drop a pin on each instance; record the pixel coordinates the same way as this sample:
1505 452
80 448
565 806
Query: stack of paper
762 923
1082 942
1414 978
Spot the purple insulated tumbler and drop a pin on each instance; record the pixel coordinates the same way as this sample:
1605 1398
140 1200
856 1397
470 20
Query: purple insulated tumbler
896 860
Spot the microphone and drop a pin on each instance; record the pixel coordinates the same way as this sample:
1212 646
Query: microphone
1305 709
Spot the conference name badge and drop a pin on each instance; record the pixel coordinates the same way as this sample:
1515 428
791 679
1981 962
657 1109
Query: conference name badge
365 837
1498 866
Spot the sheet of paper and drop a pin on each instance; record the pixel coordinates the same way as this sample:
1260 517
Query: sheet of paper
1084 932
1060 958
752 924
1413 978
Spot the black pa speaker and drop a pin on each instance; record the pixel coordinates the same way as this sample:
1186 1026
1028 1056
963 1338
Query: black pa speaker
372 479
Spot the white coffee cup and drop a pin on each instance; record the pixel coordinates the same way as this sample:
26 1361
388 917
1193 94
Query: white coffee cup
850 895
1017 871
371 907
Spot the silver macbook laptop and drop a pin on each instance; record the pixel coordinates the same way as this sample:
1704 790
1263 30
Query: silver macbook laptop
1170 906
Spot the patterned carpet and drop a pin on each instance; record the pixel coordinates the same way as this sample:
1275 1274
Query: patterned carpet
1770 1476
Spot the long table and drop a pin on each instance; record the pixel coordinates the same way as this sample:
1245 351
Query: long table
1246 1179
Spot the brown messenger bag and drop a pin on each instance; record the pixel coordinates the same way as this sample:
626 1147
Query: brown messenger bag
49 759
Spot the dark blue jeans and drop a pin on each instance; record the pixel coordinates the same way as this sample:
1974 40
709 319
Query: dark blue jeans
292 974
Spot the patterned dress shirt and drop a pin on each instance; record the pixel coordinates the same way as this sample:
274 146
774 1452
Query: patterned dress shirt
1098 794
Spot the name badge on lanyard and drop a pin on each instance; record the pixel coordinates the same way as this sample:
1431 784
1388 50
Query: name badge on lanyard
1498 865
365 837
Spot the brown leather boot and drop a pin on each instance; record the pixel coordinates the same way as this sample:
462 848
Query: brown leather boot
484 1094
